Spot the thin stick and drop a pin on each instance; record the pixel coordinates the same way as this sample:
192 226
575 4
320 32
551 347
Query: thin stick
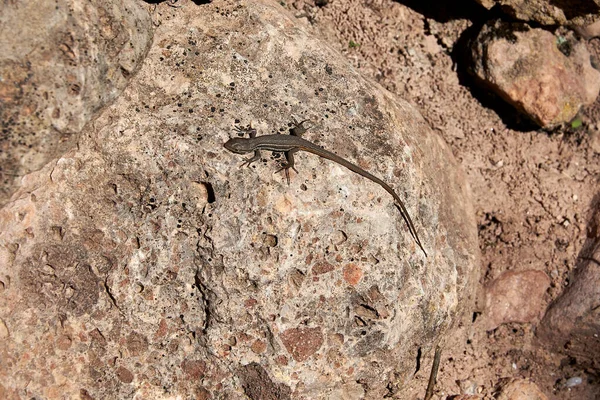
434 370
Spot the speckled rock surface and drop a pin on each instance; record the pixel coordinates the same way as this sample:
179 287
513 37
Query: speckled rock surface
147 263
546 77
547 12
60 62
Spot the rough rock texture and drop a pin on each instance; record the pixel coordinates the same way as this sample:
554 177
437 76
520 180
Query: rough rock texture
60 62
520 389
589 31
548 12
548 78
515 296
467 387
146 263
572 323
532 190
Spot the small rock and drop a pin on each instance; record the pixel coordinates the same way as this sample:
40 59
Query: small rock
589 31
546 12
431 45
124 375
595 140
467 387
302 343
63 342
259 347
136 343
548 78
322 267
454 131
201 193
574 381
194 369
270 240
338 237
3 330
351 390
571 323
515 297
257 384
352 274
521 389
202 394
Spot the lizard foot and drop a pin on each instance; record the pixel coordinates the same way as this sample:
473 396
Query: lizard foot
298 129
247 130
286 168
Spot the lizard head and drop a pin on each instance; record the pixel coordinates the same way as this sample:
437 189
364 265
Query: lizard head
237 145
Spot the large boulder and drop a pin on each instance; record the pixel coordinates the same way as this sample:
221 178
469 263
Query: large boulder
146 263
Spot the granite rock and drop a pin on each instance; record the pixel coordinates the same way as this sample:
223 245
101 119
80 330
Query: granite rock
146 263
515 296
60 62
548 78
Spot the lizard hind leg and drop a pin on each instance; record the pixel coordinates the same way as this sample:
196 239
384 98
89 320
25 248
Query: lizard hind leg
289 156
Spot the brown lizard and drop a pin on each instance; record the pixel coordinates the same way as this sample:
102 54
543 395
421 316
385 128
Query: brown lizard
289 144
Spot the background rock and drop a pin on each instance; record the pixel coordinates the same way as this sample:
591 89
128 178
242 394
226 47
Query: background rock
589 31
60 62
520 389
143 262
515 296
572 323
548 78
547 12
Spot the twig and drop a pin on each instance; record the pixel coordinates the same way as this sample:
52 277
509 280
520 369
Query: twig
434 370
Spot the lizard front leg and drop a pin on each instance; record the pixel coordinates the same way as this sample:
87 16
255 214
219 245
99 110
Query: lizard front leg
252 159
252 133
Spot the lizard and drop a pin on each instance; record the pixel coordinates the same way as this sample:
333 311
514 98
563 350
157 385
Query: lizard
290 144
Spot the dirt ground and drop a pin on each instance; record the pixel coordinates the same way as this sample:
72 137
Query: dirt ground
532 190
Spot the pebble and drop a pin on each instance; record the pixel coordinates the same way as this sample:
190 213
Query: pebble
574 381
